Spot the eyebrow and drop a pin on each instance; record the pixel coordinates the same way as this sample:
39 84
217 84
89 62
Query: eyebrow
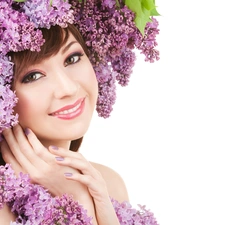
68 46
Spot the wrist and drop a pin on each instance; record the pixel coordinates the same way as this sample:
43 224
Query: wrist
105 213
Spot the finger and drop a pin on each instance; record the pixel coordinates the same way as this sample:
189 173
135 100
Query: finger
22 149
74 160
84 179
14 146
9 157
97 189
40 151
65 152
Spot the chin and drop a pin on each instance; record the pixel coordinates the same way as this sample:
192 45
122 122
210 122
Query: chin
78 131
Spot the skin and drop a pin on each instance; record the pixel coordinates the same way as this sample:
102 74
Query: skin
39 147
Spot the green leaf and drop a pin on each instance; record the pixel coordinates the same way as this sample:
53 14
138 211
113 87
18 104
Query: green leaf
117 3
141 20
19 0
143 10
154 12
134 5
147 4
150 5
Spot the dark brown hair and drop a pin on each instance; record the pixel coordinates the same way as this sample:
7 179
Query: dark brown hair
55 38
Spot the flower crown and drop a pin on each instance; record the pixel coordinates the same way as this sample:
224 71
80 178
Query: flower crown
111 29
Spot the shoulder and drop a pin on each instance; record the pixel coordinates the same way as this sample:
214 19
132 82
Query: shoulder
6 216
115 184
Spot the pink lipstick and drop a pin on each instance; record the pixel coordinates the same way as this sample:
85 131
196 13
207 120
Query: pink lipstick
70 111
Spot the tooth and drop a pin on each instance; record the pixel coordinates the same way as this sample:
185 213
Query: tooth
69 110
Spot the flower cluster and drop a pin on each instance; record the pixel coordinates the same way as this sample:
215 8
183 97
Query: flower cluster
44 15
107 26
111 34
17 33
32 204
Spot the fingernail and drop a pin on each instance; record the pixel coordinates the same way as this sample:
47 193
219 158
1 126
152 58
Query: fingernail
58 158
54 147
26 131
68 174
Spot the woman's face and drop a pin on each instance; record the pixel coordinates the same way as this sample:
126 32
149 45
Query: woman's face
57 97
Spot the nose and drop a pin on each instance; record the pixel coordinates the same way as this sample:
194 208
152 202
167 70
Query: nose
64 85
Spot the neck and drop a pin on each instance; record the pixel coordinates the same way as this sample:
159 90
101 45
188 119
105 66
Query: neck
58 143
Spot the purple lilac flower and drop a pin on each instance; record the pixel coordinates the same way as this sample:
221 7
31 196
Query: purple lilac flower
128 215
108 3
8 101
111 34
147 44
44 16
107 89
35 205
8 98
123 65
6 70
15 25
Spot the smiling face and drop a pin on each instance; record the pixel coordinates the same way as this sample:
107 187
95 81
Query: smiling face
57 95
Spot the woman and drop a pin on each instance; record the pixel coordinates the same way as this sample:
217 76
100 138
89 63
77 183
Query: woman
57 92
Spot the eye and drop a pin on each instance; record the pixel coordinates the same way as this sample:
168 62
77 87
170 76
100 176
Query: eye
31 77
72 59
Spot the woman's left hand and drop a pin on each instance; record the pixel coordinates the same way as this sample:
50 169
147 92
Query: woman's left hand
92 179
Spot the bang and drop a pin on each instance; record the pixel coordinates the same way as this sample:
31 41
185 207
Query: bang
55 38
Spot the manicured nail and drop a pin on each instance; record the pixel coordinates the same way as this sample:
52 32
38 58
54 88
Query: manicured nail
26 131
54 147
68 174
58 158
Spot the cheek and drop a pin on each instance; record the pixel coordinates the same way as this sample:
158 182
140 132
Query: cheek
90 82
94 89
93 82
26 108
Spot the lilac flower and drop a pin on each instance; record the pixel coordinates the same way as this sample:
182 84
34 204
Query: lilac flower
8 98
123 65
34 205
108 3
6 70
107 89
111 34
14 25
8 101
43 15
148 43
128 215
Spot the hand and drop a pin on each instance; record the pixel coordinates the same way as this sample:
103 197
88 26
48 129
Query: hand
92 179
26 154
75 175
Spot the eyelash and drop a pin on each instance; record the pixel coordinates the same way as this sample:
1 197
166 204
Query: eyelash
66 63
76 54
26 77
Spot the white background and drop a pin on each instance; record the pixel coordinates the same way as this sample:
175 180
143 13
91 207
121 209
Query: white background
166 134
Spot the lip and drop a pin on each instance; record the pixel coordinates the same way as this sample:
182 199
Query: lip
70 111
